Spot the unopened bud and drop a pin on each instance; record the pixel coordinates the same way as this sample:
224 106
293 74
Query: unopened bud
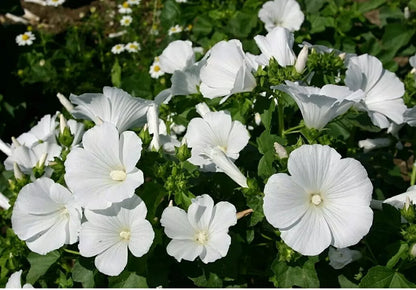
412 251
342 55
406 13
5 148
42 160
408 210
62 123
65 102
202 109
302 59
15 142
170 203
18 174
244 213
280 150
257 118
183 153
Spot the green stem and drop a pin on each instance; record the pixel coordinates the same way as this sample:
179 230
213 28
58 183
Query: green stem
72 252
281 115
413 176
293 129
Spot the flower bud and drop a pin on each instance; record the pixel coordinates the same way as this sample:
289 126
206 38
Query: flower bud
183 152
280 150
406 13
302 59
65 102
18 174
408 210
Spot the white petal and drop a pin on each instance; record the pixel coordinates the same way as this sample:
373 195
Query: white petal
223 217
200 212
141 238
130 149
184 249
176 224
216 248
176 56
112 261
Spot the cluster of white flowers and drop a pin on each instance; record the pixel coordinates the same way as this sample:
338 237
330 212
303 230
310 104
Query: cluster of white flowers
175 29
131 47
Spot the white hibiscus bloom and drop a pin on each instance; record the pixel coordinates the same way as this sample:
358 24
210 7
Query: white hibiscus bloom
410 116
278 44
383 89
227 71
187 81
114 105
371 144
177 56
320 106
109 234
216 141
325 201
398 201
15 281
281 13
104 170
339 258
43 131
46 216
203 231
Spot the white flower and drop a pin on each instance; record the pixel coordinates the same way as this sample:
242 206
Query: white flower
186 81
126 20
412 61
155 70
398 201
203 231
325 201
216 141
283 13
104 170
320 106
109 234
26 38
370 144
15 281
133 46
46 216
124 8
278 44
55 3
383 89
118 48
227 71
410 116
175 29
181 1
339 258
302 59
177 56
114 106
133 2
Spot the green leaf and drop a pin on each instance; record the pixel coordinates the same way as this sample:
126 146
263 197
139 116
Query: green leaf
39 265
82 273
383 277
366 6
402 253
127 280
266 116
345 283
241 24
313 6
303 275
265 168
170 13
319 23
116 74
202 25
212 281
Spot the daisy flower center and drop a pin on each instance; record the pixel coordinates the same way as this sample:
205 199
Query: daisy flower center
316 199
125 5
201 237
25 36
156 68
125 235
118 175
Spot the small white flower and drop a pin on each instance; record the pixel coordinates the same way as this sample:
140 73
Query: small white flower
46 216
278 44
26 38
118 48
339 258
155 70
175 29
55 3
133 2
283 13
109 234
216 141
227 71
124 8
320 106
203 231
126 20
113 105
371 144
104 171
325 201
133 46
383 90
15 281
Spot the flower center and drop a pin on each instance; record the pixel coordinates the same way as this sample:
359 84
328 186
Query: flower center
316 199
25 37
118 175
125 235
156 68
126 5
201 237
65 212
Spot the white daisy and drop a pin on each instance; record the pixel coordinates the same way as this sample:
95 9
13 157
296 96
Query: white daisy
118 48
46 216
155 70
203 231
227 71
325 201
320 106
15 281
55 3
109 234
126 20
283 13
26 38
175 29
104 170
339 258
278 44
113 105
133 46
216 141
384 90
124 8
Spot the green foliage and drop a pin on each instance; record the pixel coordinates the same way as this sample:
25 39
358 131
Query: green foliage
384 277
